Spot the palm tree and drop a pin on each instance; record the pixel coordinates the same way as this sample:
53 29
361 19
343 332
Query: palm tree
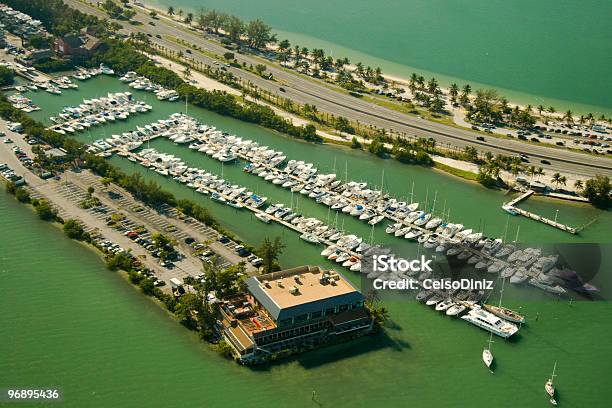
590 118
413 82
296 54
421 82
540 172
555 179
515 170
187 72
464 99
531 170
563 180
170 11
568 116
359 69
432 85
540 109
552 109
453 91
578 185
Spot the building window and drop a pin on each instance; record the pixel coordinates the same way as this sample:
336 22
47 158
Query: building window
330 311
301 318
286 322
316 315
343 308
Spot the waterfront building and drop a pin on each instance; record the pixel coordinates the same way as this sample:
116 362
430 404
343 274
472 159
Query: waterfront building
292 310
78 46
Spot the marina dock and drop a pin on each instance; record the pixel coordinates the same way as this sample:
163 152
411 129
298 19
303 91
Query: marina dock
546 221
511 208
340 194
520 198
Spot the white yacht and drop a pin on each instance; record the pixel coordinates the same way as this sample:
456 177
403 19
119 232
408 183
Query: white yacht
490 322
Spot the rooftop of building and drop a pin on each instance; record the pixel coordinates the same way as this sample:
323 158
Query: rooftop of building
241 309
301 289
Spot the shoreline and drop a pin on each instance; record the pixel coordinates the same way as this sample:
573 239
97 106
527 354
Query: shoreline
465 170
523 100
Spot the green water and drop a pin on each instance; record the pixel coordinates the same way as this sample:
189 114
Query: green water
536 52
469 203
68 322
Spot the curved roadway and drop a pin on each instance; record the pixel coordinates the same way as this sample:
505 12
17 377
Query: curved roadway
307 90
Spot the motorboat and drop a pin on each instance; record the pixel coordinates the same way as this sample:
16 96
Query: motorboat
423 295
444 305
310 237
435 299
263 217
488 321
455 309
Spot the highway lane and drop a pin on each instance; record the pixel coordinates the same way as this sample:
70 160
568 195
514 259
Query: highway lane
306 90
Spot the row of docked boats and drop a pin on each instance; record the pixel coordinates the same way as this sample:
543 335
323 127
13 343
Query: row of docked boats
485 254
83 74
144 84
92 112
495 319
356 199
311 229
54 86
22 103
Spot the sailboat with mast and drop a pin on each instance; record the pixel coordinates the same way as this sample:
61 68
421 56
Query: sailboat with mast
503 312
487 356
550 388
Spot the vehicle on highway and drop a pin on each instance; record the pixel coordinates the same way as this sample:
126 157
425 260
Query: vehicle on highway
524 157
281 89
151 23
157 36
481 138
188 51
475 127
544 161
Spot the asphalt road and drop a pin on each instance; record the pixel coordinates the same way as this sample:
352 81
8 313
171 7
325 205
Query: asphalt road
306 90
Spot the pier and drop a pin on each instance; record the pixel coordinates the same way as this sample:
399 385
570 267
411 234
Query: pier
510 207
33 75
520 198
256 210
546 221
